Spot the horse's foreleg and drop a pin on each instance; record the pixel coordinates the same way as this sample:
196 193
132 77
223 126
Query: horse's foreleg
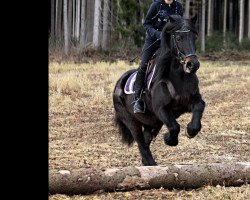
194 126
167 117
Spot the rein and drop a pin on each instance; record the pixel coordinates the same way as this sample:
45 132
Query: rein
181 56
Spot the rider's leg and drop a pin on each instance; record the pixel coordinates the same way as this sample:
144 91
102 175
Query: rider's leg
148 51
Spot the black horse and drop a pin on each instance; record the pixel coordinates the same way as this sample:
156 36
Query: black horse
174 91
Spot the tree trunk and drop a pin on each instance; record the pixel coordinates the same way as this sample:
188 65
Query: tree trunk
70 16
52 26
65 24
187 8
241 26
224 22
77 27
89 21
203 23
231 16
74 18
96 41
248 19
117 18
105 25
209 18
58 29
83 24
84 181
56 19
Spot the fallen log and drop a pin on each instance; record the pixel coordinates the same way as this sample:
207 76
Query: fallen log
85 181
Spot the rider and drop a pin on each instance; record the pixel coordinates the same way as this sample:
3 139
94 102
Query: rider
153 24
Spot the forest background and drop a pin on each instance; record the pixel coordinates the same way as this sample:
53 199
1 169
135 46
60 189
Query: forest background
112 29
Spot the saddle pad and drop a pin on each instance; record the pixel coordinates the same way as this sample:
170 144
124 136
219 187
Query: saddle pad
129 86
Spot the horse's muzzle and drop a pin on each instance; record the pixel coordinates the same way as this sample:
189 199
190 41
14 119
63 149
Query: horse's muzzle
191 65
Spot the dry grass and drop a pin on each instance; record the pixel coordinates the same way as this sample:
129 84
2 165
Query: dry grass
205 193
82 133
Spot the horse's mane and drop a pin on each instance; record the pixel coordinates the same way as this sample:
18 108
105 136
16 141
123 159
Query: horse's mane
164 59
177 22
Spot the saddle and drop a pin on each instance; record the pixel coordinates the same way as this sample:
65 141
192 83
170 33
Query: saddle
129 86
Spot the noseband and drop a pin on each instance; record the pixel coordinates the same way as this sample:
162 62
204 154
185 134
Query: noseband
181 56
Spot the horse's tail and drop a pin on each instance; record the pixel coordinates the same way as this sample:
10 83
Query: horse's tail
125 133
120 111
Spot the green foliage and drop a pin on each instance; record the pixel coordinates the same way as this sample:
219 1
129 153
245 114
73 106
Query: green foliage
130 20
130 31
214 42
245 44
217 42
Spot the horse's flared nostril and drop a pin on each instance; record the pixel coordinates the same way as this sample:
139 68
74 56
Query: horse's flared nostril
193 65
190 65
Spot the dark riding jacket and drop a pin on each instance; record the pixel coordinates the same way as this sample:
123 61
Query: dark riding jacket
155 18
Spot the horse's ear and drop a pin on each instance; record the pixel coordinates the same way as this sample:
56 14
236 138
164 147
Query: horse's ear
194 19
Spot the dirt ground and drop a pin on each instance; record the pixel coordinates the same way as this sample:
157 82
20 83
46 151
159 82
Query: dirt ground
82 132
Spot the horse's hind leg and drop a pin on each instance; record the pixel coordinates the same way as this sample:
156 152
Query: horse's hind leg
147 158
130 126
143 144
194 126
149 133
131 130
142 141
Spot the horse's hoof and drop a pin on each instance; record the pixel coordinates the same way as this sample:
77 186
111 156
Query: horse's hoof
191 131
152 163
170 140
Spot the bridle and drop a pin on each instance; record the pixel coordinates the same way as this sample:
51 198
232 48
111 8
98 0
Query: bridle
181 56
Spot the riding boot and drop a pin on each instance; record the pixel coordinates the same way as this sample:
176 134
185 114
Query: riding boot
139 105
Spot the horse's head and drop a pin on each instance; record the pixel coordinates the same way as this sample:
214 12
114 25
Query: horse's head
180 35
